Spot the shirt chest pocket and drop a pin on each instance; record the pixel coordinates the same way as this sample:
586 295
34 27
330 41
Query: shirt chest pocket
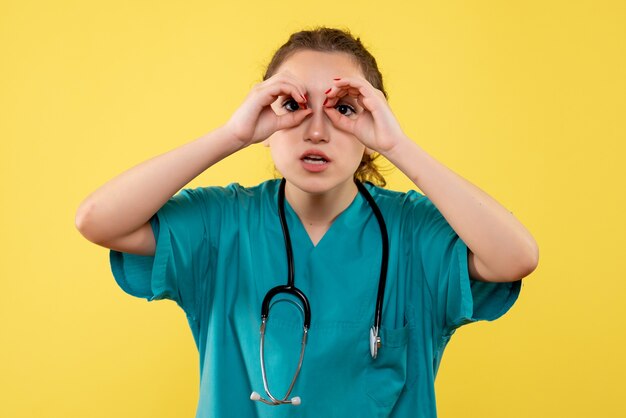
386 375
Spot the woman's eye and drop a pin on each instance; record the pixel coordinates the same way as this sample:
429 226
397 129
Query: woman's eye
291 105
345 109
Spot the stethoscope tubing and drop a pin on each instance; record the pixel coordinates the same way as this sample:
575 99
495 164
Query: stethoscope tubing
290 288
285 400
382 281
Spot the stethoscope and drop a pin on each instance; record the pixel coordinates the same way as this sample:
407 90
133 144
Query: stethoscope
291 289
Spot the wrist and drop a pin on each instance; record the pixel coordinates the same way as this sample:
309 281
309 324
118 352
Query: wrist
229 137
401 147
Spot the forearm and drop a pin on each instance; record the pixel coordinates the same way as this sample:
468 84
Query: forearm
500 242
127 202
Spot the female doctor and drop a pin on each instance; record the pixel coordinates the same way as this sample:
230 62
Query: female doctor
321 294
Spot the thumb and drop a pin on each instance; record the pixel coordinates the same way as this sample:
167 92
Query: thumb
292 119
339 121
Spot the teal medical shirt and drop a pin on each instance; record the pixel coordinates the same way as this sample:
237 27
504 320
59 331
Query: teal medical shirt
219 250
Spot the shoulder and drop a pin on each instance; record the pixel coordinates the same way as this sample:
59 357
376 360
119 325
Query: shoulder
410 200
411 210
232 193
216 206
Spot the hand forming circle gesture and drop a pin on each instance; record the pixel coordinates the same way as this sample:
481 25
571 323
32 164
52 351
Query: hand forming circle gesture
254 121
375 126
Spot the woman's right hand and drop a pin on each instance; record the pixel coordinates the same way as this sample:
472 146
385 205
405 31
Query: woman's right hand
117 215
255 120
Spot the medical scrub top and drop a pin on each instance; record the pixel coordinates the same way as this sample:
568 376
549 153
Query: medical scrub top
220 249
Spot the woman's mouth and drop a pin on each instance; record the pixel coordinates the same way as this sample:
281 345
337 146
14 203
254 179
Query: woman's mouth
314 161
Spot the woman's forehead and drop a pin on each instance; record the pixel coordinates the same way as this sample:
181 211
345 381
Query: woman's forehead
319 68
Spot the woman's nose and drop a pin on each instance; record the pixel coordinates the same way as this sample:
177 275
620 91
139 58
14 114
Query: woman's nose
317 128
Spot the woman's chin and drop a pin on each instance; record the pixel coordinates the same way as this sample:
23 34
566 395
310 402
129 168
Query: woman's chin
320 185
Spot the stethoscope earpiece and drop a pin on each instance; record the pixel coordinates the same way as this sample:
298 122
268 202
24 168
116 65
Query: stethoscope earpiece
295 401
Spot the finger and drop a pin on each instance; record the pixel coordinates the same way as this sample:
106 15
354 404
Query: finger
358 88
335 95
361 85
344 91
339 121
288 77
340 90
285 89
273 88
359 100
292 119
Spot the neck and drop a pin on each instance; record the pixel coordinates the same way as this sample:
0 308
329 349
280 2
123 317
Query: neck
320 209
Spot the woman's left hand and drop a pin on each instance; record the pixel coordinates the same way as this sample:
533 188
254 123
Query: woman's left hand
374 124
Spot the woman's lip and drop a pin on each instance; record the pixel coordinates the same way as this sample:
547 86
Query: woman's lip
313 167
316 153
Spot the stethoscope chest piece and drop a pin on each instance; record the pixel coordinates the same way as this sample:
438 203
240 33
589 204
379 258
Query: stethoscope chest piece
375 342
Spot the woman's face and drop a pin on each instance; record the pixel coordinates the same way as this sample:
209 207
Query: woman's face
315 156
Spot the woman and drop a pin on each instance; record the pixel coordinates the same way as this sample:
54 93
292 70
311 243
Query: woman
385 295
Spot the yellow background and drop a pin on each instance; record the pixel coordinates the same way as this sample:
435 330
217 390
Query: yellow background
527 100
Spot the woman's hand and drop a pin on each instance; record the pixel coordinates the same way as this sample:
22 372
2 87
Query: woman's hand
254 121
374 124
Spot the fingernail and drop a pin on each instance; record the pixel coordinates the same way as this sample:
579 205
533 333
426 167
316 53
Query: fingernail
327 91
325 101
